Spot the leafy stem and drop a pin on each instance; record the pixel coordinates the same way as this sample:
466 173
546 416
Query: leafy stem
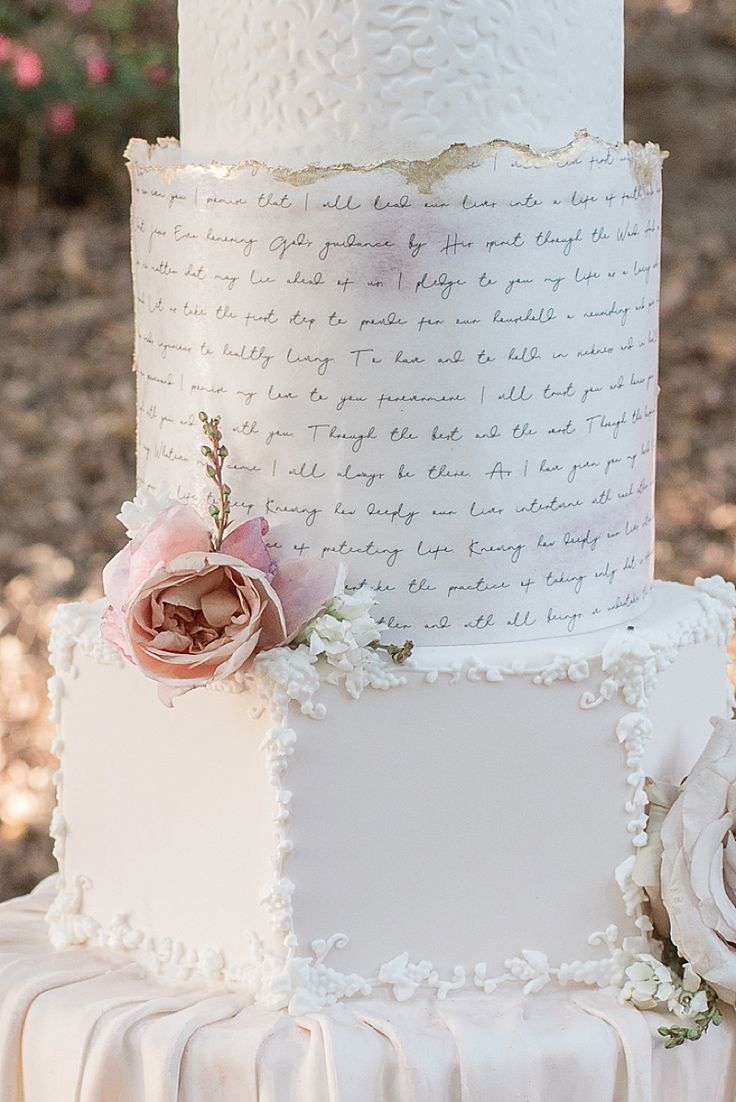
700 1023
397 654
698 1027
216 453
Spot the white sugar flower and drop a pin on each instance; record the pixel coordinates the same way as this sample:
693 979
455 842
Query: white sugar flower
355 609
343 632
648 982
690 999
698 1004
136 514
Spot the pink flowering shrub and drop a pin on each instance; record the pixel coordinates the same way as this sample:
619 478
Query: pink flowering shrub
77 79
62 118
99 68
27 67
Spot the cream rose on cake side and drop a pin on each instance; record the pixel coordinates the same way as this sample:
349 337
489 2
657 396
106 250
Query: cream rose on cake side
698 869
688 870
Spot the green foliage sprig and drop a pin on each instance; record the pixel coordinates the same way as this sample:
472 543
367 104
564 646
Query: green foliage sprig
397 654
216 453
699 1025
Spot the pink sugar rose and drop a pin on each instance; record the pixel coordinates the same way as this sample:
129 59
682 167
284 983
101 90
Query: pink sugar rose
6 48
187 615
28 68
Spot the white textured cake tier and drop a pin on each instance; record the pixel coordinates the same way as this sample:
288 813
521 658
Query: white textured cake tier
328 81
466 828
442 373
85 1025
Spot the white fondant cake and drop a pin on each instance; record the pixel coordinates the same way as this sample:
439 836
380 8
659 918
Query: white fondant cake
413 312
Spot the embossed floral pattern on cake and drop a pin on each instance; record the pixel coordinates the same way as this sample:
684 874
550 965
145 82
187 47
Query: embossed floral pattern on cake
309 81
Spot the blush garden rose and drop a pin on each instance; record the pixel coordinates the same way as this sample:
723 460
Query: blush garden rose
187 615
191 602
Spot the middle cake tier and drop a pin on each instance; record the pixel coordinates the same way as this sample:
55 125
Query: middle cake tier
441 372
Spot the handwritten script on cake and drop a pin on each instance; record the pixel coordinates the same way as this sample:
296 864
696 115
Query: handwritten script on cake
453 392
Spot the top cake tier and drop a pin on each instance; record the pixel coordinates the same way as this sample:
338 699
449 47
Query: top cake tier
361 81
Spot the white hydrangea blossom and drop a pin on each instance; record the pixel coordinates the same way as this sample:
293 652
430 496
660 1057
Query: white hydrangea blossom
343 632
648 982
146 505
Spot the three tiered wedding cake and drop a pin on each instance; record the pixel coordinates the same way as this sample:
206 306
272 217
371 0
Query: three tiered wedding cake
396 341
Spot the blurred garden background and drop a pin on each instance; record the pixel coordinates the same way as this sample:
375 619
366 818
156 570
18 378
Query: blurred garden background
77 78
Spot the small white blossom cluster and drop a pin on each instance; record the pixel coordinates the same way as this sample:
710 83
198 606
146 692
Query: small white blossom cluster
341 634
146 505
339 647
650 983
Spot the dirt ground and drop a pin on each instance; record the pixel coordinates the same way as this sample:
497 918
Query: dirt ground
67 391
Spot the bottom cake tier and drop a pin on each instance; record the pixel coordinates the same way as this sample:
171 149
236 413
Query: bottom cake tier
89 1025
469 823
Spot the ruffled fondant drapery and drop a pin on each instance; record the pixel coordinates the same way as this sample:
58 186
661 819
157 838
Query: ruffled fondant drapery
87 1026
